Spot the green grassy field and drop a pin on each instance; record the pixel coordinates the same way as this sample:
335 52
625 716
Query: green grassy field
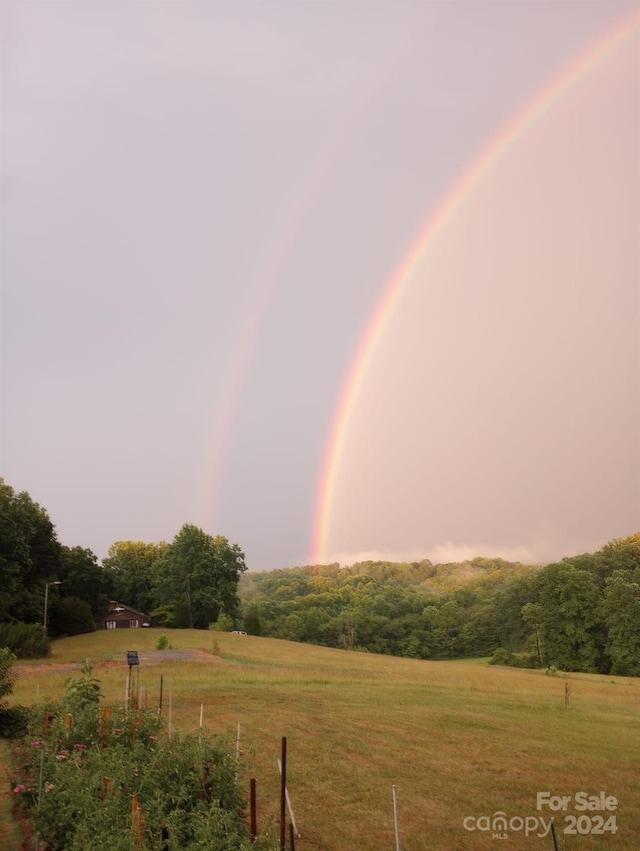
458 741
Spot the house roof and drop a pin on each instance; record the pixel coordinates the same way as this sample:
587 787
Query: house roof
122 610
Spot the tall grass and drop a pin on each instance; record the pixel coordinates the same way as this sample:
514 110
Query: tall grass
457 740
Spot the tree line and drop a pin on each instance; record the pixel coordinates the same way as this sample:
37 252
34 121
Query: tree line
579 614
190 582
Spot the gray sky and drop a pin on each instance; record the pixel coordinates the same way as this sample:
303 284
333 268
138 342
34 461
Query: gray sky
202 206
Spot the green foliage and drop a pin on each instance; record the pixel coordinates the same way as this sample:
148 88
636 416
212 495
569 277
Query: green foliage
570 599
132 567
164 616
7 675
12 719
581 614
70 616
113 780
501 657
27 641
162 643
82 578
621 610
373 606
82 692
198 574
225 623
29 556
252 621
32 559
512 660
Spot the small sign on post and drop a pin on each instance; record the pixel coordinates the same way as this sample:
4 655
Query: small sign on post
132 660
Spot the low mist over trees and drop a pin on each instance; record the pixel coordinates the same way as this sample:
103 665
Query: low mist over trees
580 614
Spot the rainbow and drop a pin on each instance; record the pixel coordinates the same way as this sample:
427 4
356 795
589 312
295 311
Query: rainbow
535 109
277 256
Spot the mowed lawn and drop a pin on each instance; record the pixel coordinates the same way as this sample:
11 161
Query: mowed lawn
459 741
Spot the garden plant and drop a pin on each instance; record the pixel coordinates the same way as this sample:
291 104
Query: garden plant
96 776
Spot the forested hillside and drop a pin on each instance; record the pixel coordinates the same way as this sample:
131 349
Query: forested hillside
580 614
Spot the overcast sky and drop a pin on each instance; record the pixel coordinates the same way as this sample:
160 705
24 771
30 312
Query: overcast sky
202 206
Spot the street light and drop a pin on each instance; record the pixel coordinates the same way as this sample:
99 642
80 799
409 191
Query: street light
46 599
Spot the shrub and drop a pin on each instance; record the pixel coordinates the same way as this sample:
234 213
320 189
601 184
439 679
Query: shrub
163 642
164 616
501 657
13 722
223 624
505 657
82 692
12 719
27 641
71 616
7 674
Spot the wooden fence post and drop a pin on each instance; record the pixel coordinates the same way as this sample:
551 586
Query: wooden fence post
283 799
137 826
252 809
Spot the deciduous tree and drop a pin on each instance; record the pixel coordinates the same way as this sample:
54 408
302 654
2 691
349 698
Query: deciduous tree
199 575
29 555
132 566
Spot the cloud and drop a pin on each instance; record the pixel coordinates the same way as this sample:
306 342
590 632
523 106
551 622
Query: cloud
548 547
444 553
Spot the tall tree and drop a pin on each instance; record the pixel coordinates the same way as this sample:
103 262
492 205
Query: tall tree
533 616
132 565
571 627
621 608
29 555
198 574
81 576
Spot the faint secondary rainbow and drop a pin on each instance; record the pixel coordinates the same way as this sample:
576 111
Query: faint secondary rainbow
436 224
268 279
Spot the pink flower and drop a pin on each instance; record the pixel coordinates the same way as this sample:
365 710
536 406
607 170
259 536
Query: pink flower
19 788
49 787
62 755
36 744
79 747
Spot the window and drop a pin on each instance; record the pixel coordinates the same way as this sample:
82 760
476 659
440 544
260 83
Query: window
133 624
110 624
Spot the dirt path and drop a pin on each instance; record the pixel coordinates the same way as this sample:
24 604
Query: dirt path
151 657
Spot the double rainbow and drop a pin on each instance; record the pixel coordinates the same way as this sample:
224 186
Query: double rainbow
463 187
